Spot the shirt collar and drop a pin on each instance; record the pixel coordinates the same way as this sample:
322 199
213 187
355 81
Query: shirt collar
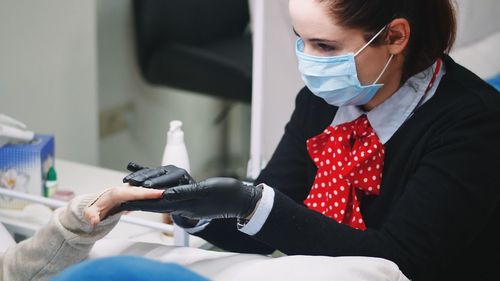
388 116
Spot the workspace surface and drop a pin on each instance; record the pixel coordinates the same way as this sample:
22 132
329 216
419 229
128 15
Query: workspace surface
83 179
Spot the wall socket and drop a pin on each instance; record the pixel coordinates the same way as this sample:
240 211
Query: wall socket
114 120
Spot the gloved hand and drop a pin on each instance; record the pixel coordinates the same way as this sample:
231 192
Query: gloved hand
210 199
159 178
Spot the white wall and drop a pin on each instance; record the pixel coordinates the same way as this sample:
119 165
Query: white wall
476 19
276 78
117 77
47 71
119 82
282 79
478 37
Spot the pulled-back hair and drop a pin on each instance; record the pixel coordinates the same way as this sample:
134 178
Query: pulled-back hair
432 23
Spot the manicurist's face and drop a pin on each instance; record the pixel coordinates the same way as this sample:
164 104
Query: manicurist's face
314 23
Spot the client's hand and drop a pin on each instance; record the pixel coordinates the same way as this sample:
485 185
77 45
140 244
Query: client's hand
209 199
108 203
161 178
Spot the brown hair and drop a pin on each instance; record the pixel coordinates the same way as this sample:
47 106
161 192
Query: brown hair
432 23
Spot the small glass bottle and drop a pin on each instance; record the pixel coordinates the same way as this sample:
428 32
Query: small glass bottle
50 183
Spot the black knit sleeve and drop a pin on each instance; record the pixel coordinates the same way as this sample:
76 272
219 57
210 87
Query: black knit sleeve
285 171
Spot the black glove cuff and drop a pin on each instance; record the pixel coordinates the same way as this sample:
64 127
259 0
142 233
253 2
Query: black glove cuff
257 192
184 222
240 223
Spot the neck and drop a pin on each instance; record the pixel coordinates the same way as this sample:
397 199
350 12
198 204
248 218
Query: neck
390 87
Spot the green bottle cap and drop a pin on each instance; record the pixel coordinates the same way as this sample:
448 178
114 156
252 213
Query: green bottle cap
50 183
51 174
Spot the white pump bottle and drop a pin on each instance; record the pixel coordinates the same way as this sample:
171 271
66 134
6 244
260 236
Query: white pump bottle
175 153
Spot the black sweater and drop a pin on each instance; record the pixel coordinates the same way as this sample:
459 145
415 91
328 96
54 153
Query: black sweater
438 208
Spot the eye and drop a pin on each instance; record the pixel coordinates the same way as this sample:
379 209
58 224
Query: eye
324 47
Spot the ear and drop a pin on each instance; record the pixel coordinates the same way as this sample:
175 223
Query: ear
398 36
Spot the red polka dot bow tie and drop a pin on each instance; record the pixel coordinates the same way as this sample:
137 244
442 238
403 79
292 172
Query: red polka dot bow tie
350 159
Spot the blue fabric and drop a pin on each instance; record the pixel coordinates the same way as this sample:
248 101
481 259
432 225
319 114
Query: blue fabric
127 268
495 82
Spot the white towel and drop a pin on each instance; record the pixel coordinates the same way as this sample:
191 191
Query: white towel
227 266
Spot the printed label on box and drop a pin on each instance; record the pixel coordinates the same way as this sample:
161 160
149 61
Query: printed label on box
24 167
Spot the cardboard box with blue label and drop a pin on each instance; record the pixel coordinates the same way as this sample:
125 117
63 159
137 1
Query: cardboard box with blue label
24 167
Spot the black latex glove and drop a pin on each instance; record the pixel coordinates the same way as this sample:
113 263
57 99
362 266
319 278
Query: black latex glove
210 199
159 178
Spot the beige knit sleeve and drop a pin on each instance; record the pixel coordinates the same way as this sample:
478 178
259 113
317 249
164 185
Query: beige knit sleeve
64 241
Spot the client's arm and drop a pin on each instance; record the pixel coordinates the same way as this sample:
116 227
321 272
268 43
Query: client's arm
69 236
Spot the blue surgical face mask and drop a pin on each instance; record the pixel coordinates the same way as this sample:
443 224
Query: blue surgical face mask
335 79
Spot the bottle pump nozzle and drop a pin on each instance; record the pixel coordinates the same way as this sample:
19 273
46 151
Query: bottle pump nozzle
175 134
175 125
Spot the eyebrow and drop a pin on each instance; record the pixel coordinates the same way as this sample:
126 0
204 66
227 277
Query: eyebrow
315 39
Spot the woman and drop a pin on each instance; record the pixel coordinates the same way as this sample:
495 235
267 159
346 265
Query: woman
390 152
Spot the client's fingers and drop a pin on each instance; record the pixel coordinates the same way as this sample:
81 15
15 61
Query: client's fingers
92 215
108 202
138 193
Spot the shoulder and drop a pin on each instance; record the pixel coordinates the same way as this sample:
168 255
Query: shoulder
463 88
464 106
461 95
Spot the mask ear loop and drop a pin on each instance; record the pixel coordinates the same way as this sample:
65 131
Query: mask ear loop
383 70
369 42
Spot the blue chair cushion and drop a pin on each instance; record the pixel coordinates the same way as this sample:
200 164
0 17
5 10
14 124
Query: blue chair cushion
128 268
495 82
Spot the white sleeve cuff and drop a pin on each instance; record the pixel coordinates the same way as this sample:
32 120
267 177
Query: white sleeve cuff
261 212
198 227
